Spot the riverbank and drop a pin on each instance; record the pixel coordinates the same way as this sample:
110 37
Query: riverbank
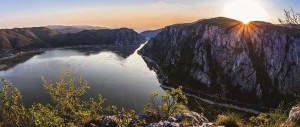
205 97
3 65
19 53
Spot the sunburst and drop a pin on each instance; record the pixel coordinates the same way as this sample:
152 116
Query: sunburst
245 11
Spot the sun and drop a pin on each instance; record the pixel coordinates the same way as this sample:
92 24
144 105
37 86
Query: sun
245 11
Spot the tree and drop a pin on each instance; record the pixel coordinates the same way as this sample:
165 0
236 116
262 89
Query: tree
291 21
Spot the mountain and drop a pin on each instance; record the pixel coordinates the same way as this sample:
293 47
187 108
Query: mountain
150 33
254 62
20 38
114 37
13 41
73 29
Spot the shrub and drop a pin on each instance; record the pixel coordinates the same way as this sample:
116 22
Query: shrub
173 101
67 108
66 94
45 116
268 120
275 118
13 113
229 120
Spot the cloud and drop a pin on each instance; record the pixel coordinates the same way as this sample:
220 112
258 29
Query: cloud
162 2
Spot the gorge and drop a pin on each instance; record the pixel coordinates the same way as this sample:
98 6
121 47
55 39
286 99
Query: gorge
256 62
243 64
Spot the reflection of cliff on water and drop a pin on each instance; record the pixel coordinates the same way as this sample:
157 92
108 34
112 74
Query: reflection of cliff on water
124 52
8 63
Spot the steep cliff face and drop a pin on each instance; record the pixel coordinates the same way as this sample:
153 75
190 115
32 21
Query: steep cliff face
115 37
259 59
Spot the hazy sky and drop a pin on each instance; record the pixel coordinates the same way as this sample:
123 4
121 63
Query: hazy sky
145 14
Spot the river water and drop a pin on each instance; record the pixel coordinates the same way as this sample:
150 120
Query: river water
119 74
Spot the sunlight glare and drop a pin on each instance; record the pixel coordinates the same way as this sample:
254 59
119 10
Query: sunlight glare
245 11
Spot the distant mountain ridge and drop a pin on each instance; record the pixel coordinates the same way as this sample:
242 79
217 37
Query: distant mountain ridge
114 37
150 33
73 29
25 39
19 38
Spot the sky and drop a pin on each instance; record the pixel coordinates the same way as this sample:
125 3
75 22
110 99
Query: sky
142 14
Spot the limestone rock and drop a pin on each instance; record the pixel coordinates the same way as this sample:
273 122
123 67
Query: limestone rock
259 60
294 115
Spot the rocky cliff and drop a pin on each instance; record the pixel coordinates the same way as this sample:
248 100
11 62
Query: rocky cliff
255 61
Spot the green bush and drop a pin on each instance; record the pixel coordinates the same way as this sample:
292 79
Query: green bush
268 120
13 113
45 116
66 94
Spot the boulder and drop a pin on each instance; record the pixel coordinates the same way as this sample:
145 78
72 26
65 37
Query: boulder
294 115
104 121
174 121
192 116
152 120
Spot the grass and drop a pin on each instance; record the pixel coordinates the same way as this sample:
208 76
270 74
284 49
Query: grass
230 120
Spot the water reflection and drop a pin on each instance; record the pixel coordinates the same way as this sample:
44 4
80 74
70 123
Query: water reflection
9 63
119 74
122 52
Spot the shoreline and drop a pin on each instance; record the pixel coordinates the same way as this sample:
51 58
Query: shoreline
223 102
20 53
211 102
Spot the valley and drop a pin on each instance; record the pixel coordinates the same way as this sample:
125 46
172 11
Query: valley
214 60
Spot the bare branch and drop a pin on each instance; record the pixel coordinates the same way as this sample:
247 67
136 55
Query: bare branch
291 21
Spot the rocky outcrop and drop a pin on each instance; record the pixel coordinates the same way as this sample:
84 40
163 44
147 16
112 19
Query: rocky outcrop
255 61
192 118
294 116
